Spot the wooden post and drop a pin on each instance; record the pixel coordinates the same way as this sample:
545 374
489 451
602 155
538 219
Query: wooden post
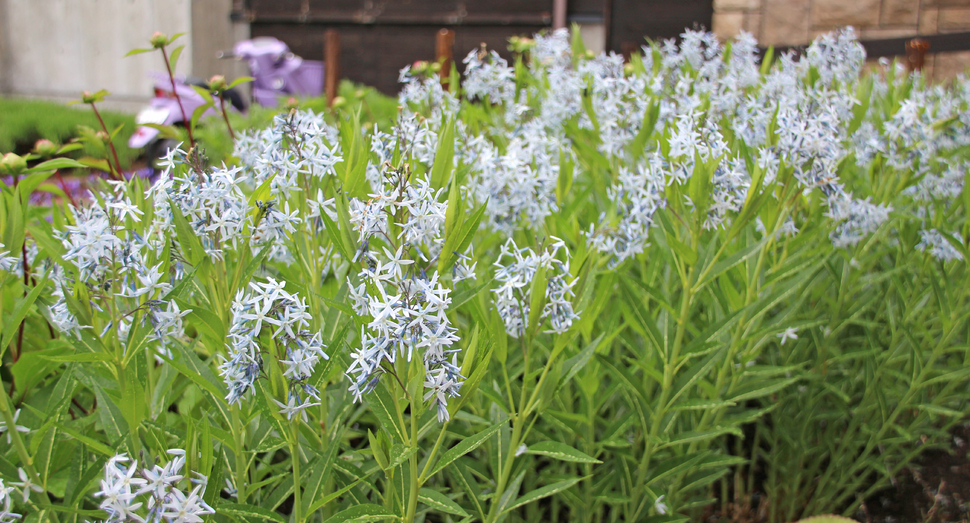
444 55
916 53
331 64
558 14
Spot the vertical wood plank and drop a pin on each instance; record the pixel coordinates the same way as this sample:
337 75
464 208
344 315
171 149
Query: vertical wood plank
444 55
331 64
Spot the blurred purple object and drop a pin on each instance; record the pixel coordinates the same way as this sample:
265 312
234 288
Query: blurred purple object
276 71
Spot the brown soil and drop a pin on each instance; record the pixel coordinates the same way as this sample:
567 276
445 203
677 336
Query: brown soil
936 489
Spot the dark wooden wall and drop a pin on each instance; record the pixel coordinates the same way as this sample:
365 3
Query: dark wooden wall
379 37
632 20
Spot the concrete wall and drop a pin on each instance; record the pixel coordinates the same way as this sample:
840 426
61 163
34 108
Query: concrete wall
796 22
57 48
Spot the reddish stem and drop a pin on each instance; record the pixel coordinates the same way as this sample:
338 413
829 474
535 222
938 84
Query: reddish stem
178 99
111 145
222 107
64 188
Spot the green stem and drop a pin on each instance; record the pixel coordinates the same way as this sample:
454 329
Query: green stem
434 451
415 481
517 421
295 459
238 435
669 370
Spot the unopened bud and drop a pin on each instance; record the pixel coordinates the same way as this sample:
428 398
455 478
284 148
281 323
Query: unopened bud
627 69
292 103
589 54
45 148
12 165
339 101
218 83
88 97
435 67
158 40
103 136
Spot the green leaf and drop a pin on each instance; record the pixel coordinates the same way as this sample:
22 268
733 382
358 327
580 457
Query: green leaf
137 51
248 511
543 492
465 446
110 415
702 404
943 411
444 156
192 249
198 112
537 298
362 513
460 239
19 312
440 502
95 445
206 320
565 180
240 80
761 388
204 93
560 451
355 164
56 163
466 480
382 405
173 58
80 357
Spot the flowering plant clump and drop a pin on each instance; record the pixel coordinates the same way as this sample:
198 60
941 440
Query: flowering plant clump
568 286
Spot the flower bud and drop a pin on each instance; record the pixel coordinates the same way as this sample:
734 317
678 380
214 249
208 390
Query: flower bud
339 101
45 148
627 69
12 165
88 97
218 83
292 103
158 40
103 136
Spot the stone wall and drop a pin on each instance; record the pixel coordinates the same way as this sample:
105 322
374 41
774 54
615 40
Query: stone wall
797 22
55 49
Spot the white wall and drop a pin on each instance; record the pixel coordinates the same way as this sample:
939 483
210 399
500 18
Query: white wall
57 48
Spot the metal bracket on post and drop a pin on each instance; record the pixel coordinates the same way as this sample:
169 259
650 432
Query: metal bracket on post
331 64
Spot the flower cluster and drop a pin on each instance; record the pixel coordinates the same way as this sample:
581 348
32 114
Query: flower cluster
118 266
298 146
938 246
123 485
269 305
211 202
488 75
407 307
515 269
